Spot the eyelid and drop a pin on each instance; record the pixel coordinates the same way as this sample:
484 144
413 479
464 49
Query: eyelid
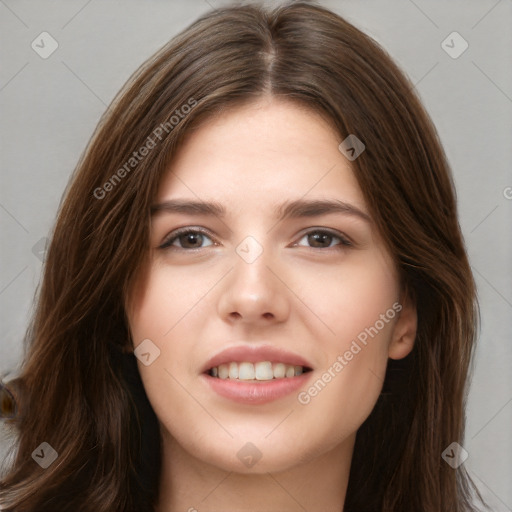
166 244
346 241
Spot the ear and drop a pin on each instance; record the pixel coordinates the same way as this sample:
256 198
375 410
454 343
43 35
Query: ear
404 331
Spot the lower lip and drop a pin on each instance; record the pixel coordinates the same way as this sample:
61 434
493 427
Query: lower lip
255 393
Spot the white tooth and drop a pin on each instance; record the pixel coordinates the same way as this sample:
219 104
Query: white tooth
279 370
233 370
290 371
223 371
298 370
263 371
246 371
215 371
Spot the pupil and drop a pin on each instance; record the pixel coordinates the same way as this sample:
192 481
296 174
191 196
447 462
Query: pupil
320 238
191 239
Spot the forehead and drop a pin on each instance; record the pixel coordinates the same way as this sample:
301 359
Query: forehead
266 149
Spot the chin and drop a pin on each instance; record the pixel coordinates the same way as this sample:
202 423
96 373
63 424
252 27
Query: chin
247 457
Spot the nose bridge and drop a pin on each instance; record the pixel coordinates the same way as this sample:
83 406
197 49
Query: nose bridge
251 274
253 293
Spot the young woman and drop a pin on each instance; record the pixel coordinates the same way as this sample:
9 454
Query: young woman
257 295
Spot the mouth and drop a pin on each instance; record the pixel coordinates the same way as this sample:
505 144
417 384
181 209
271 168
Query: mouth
261 371
255 374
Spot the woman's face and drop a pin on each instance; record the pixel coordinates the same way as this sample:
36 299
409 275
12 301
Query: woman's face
277 269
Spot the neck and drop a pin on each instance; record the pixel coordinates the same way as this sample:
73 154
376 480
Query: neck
190 485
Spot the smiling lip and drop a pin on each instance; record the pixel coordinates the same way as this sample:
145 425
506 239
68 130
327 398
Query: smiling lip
255 393
251 392
254 354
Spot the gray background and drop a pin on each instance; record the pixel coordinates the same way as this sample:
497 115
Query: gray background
49 108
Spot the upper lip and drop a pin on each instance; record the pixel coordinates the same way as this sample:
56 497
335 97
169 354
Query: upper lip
255 354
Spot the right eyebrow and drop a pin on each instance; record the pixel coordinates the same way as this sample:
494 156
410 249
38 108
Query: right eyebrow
189 207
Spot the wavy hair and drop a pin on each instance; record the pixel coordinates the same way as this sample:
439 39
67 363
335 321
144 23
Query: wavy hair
78 388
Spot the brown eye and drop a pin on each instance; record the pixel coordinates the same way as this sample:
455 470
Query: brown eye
190 240
320 239
187 239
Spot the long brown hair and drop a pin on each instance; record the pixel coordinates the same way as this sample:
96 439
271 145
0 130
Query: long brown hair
81 391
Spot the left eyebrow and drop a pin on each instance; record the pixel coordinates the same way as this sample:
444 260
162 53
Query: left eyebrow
312 208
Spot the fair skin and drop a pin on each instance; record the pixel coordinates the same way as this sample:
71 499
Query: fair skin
309 295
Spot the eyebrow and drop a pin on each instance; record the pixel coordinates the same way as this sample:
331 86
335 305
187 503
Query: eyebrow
289 209
189 207
314 207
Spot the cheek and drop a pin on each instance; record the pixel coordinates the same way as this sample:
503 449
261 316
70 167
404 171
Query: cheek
167 297
169 306
359 305
353 298
345 390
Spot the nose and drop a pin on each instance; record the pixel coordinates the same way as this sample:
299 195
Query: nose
253 294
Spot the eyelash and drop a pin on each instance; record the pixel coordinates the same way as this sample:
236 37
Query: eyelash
167 244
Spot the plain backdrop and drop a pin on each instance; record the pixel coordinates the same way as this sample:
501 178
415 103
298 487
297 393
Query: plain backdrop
49 108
